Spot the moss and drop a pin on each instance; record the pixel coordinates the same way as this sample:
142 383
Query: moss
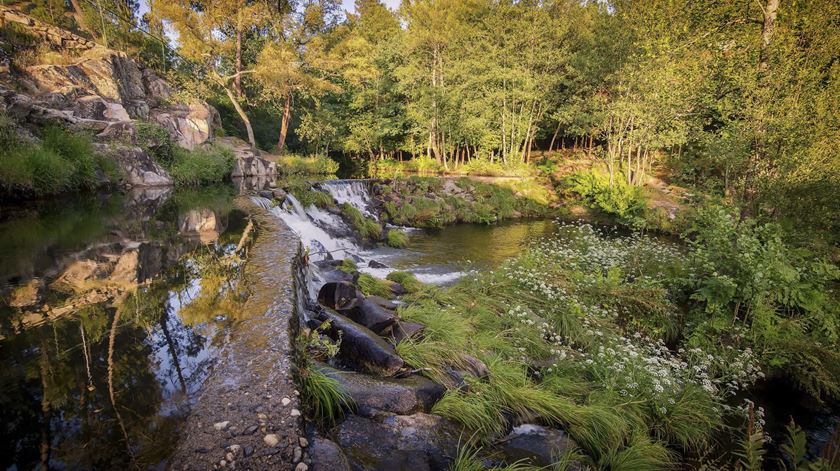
397 238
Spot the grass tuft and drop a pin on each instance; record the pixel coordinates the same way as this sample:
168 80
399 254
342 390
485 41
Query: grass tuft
372 286
397 239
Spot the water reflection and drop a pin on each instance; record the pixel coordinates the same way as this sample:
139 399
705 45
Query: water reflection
110 313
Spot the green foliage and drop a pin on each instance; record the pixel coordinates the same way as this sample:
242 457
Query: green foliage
396 238
372 286
201 166
348 266
367 228
407 280
618 198
157 142
312 165
62 161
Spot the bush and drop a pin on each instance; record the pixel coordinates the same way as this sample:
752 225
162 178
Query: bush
397 238
624 201
200 166
313 165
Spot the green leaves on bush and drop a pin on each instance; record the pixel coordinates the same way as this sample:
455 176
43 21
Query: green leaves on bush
618 198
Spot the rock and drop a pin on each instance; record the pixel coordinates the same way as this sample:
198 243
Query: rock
387 304
400 442
327 456
402 330
26 294
219 426
202 225
253 167
474 366
333 276
190 125
298 454
371 315
250 430
361 347
286 401
339 295
375 264
398 289
301 467
303 442
138 167
295 413
158 90
536 445
271 440
401 396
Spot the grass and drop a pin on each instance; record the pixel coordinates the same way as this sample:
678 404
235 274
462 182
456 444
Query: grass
323 396
62 161
372 286
312 165
201 166
406 279
389 168
367 228
396 238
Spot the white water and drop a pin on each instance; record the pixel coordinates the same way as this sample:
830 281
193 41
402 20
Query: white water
317 230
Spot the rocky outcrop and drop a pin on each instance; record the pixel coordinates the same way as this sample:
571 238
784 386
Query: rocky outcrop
138 168
189 124
56 36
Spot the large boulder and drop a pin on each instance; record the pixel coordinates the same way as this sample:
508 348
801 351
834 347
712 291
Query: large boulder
190 125
400 396
418 442
139 168
371 315
536 445
340 295
360 346
327 456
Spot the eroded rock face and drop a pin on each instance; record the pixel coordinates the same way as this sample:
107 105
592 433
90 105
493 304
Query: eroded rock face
253 167
394 395
190 125
401 442
537 445
138 167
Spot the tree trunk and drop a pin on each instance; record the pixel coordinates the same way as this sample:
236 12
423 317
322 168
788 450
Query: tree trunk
242 116
284 122
237 81
554 138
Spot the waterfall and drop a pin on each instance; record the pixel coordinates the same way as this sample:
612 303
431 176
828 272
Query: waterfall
354 192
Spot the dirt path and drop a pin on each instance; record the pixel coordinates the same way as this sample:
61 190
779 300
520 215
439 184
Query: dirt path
248 414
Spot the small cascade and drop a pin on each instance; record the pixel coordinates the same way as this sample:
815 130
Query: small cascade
354 192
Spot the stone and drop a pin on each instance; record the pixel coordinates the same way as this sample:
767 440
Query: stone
327 456
536 445
221 425
297 454
401 396
191 125
375 264
362 347
253 167
303 442
340 295
399 442
271 440
286 401
250 430
402 330
371 315
295 413
138 167
301 467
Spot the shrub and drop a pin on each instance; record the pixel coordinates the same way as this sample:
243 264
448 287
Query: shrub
397 238
620 199
200 166
312 165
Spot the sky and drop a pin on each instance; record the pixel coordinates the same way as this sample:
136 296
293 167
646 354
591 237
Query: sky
351 4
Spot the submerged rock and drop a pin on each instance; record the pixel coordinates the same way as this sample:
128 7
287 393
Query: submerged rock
327 456
395 395
401 442
537 445
361 347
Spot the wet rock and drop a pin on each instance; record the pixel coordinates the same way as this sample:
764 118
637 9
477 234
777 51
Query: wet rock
375 264
398 289
399 442
327 456
341 295
362 347
387 304
402 330
401 396
371 315
537 445
335 276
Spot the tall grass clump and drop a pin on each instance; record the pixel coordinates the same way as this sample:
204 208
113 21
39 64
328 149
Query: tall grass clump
367 228
372 286
61 161
323 395
396 238
201 166
312 165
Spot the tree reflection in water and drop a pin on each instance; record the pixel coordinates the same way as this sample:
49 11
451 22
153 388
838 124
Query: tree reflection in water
109 313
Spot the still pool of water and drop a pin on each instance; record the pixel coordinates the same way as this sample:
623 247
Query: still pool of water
111 313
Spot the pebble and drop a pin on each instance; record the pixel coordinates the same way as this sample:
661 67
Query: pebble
222 463
248 451
234 449
301 467
304 442
271 440
250 430
221 425
295 413
229 456
298 454
286 401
